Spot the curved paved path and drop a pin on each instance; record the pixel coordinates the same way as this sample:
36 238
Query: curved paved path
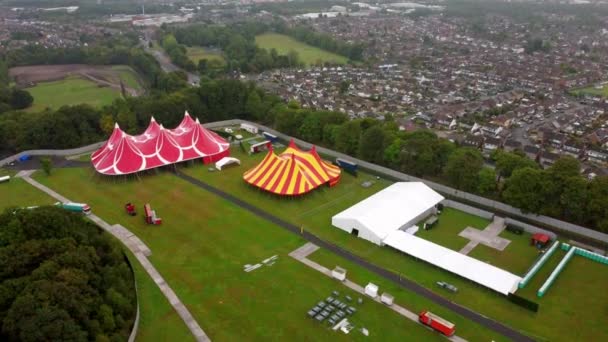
141 252
405 283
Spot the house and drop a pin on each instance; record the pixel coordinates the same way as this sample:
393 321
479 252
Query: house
532 152
491 129
597 156
573 148
491 144
475 141
548 158
511 145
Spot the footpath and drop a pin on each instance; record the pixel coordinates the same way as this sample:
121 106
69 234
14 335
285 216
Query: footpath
141 252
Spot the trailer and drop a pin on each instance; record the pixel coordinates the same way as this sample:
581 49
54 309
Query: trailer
150 215
5 179
258 147
347 166
437 323
270 137
249 128
75 207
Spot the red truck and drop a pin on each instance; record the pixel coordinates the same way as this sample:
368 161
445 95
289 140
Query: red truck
437 323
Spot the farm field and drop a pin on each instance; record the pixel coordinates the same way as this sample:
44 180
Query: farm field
129 77
197 53
157 317
201 248
314 211
308 54
70 91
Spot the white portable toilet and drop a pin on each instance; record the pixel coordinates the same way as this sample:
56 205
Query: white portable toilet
371 290
387 299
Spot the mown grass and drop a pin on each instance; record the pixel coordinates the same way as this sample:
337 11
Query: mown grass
128 76
308 54
201 248
313 213
70 91
197 53
158 320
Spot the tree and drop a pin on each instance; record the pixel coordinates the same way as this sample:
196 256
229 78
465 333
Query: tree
573 199
347 137
507 162
525 190
20 99
344 86
372 144
106 123
311 129
47 165
463 167
254 105
486 181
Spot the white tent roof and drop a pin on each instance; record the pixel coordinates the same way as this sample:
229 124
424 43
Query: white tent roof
390 209
485 274
226 161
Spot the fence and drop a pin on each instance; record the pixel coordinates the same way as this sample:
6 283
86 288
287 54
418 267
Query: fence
544 221
587 254
560 267
468 209
536 267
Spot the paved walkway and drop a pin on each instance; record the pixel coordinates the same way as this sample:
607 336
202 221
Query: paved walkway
141 252
303 252
488 237
382 272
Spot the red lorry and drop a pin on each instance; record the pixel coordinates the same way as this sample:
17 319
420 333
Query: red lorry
437 323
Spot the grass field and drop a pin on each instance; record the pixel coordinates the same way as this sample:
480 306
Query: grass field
592 90
451 222
128 76
158 320
70 91
308 54
314 211
197 53
201 248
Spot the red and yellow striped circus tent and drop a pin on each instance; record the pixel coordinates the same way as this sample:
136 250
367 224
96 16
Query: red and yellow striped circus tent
293 172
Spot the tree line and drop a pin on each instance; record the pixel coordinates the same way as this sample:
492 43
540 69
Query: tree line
237 43
559 191
62 279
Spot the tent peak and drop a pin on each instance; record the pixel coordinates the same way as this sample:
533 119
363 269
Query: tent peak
116 125
186 113
152 119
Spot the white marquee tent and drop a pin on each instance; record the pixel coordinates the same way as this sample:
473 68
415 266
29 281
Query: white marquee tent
384 218
485 274
401 205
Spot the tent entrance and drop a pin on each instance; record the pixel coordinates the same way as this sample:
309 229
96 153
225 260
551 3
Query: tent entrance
355 232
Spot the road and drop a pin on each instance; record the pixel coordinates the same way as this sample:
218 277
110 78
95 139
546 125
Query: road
167 65
403 282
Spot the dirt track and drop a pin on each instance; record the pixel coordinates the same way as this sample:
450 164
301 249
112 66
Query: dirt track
27 76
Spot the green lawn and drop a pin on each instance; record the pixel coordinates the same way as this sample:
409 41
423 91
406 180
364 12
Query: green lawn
314 211
451 222
592 90
158 320
197 53
308 54
516 258
70 91
18 193
128 76
201 248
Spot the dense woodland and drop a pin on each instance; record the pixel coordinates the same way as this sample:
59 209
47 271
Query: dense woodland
62 279
559 191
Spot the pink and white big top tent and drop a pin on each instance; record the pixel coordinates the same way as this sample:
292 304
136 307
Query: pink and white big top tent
124 154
